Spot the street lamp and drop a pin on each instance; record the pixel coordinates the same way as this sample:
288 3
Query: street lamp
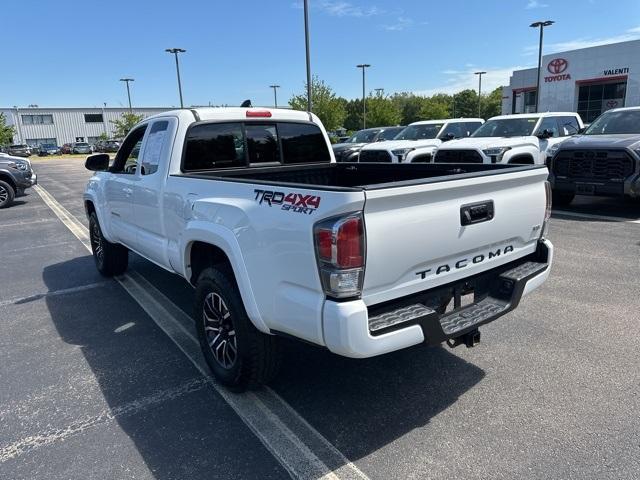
176 51
275 94
306 44
363 66
127 80
379 91
479 89
540 25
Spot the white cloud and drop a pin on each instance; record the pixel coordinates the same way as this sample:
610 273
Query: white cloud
585 42
535 4
459 80
339 8
400 24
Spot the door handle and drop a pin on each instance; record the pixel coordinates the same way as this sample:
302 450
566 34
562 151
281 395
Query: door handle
476 213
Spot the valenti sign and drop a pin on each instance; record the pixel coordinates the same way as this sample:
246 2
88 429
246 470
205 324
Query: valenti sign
557 68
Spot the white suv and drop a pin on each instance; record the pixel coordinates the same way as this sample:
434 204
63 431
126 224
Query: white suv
527 138
418 141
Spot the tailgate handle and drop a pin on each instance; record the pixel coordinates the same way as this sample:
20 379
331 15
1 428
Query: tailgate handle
476 212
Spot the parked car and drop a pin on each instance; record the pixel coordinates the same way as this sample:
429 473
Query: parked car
249 206
602 161
48 149
81 147
66 148
19 150
350 149
525 138
16 175
110 146
417 142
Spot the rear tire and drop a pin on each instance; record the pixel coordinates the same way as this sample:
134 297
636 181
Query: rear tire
562 199
7 194
239 355
111 258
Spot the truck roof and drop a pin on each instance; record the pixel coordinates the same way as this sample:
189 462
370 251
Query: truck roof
447 120
241 113
533 115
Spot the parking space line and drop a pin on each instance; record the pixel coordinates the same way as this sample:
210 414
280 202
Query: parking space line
31 222
54 293
270 425
33 442
594 216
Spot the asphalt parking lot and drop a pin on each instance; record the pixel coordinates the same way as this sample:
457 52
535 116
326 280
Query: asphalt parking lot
99 378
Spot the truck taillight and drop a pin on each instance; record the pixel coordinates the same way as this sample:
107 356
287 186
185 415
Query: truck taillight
547 210
340 251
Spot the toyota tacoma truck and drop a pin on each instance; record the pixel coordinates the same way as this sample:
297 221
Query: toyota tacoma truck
279 240
604 161
349 151
419 140
16 175
526 139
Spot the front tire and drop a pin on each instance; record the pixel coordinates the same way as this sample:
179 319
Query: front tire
7 194
111 259
239 355
562 199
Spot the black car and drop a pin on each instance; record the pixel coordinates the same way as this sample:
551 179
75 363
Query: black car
603 161
48 149
19 150
349 151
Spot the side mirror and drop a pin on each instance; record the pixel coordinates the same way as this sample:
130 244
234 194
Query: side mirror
447 137
97 162
545 134
581 130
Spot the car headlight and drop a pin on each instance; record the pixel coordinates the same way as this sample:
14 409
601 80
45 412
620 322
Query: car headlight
496 153
22 166
551 151
401 153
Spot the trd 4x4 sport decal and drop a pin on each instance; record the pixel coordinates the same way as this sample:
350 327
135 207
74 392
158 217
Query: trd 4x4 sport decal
293 202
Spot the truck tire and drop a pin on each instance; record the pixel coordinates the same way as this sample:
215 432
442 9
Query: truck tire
7 194
562 199
239 355
111 259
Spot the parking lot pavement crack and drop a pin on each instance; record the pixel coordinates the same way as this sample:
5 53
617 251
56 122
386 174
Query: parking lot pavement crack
33 442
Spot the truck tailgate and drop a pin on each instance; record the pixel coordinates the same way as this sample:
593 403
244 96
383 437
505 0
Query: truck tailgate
416 239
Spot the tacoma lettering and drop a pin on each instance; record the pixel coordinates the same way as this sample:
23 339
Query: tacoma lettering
463 262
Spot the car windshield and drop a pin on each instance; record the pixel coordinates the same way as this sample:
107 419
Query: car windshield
389 133
48 145
82 144
18 146
419 132
615 122
507 127
363 136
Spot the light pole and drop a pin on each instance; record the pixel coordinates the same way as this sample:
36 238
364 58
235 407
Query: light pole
127 80
453 102
379 91
306 43
275 94
479 90
363 66
541 25
176 51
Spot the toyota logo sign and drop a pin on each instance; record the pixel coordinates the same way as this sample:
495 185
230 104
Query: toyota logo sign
557 66
612 104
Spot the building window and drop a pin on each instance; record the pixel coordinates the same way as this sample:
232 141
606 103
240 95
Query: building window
593 99
93 118
529 101
36 142
37 119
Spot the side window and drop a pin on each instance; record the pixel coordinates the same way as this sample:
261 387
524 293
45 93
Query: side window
568 126
156 141
549 123
302 143
471 127
127 156
454 129
214 145
262 143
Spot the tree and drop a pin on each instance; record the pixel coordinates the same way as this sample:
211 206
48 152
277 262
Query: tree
324 103
353 118
6 131
436 107
466 104
492 103
382 112
123 125
409 105
103 137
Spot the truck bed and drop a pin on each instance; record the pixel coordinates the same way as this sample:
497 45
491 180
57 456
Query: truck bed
361 176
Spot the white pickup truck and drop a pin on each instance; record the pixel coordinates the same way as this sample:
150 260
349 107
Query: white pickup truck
528 139
249 206
419 140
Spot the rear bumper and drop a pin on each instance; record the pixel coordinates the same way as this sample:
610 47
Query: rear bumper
352 331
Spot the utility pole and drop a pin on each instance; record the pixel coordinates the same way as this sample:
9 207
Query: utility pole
479 92
127 80
275 95
363 66
541 25
306 42
175 52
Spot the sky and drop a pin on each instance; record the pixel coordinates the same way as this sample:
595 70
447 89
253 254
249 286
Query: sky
67 53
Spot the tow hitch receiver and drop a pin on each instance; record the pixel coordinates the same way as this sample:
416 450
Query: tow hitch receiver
470 339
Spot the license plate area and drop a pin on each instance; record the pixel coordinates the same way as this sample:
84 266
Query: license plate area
460 298
585 189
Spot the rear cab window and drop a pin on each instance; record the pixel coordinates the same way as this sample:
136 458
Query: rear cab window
210 145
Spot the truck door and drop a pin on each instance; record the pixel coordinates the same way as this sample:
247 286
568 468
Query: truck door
119 189
550 124
152 167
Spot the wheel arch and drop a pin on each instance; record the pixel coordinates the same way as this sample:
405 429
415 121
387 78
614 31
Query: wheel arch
5 177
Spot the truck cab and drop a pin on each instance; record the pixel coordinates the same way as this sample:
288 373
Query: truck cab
526 139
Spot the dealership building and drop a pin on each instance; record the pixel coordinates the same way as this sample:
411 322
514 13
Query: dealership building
37 126
588 81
